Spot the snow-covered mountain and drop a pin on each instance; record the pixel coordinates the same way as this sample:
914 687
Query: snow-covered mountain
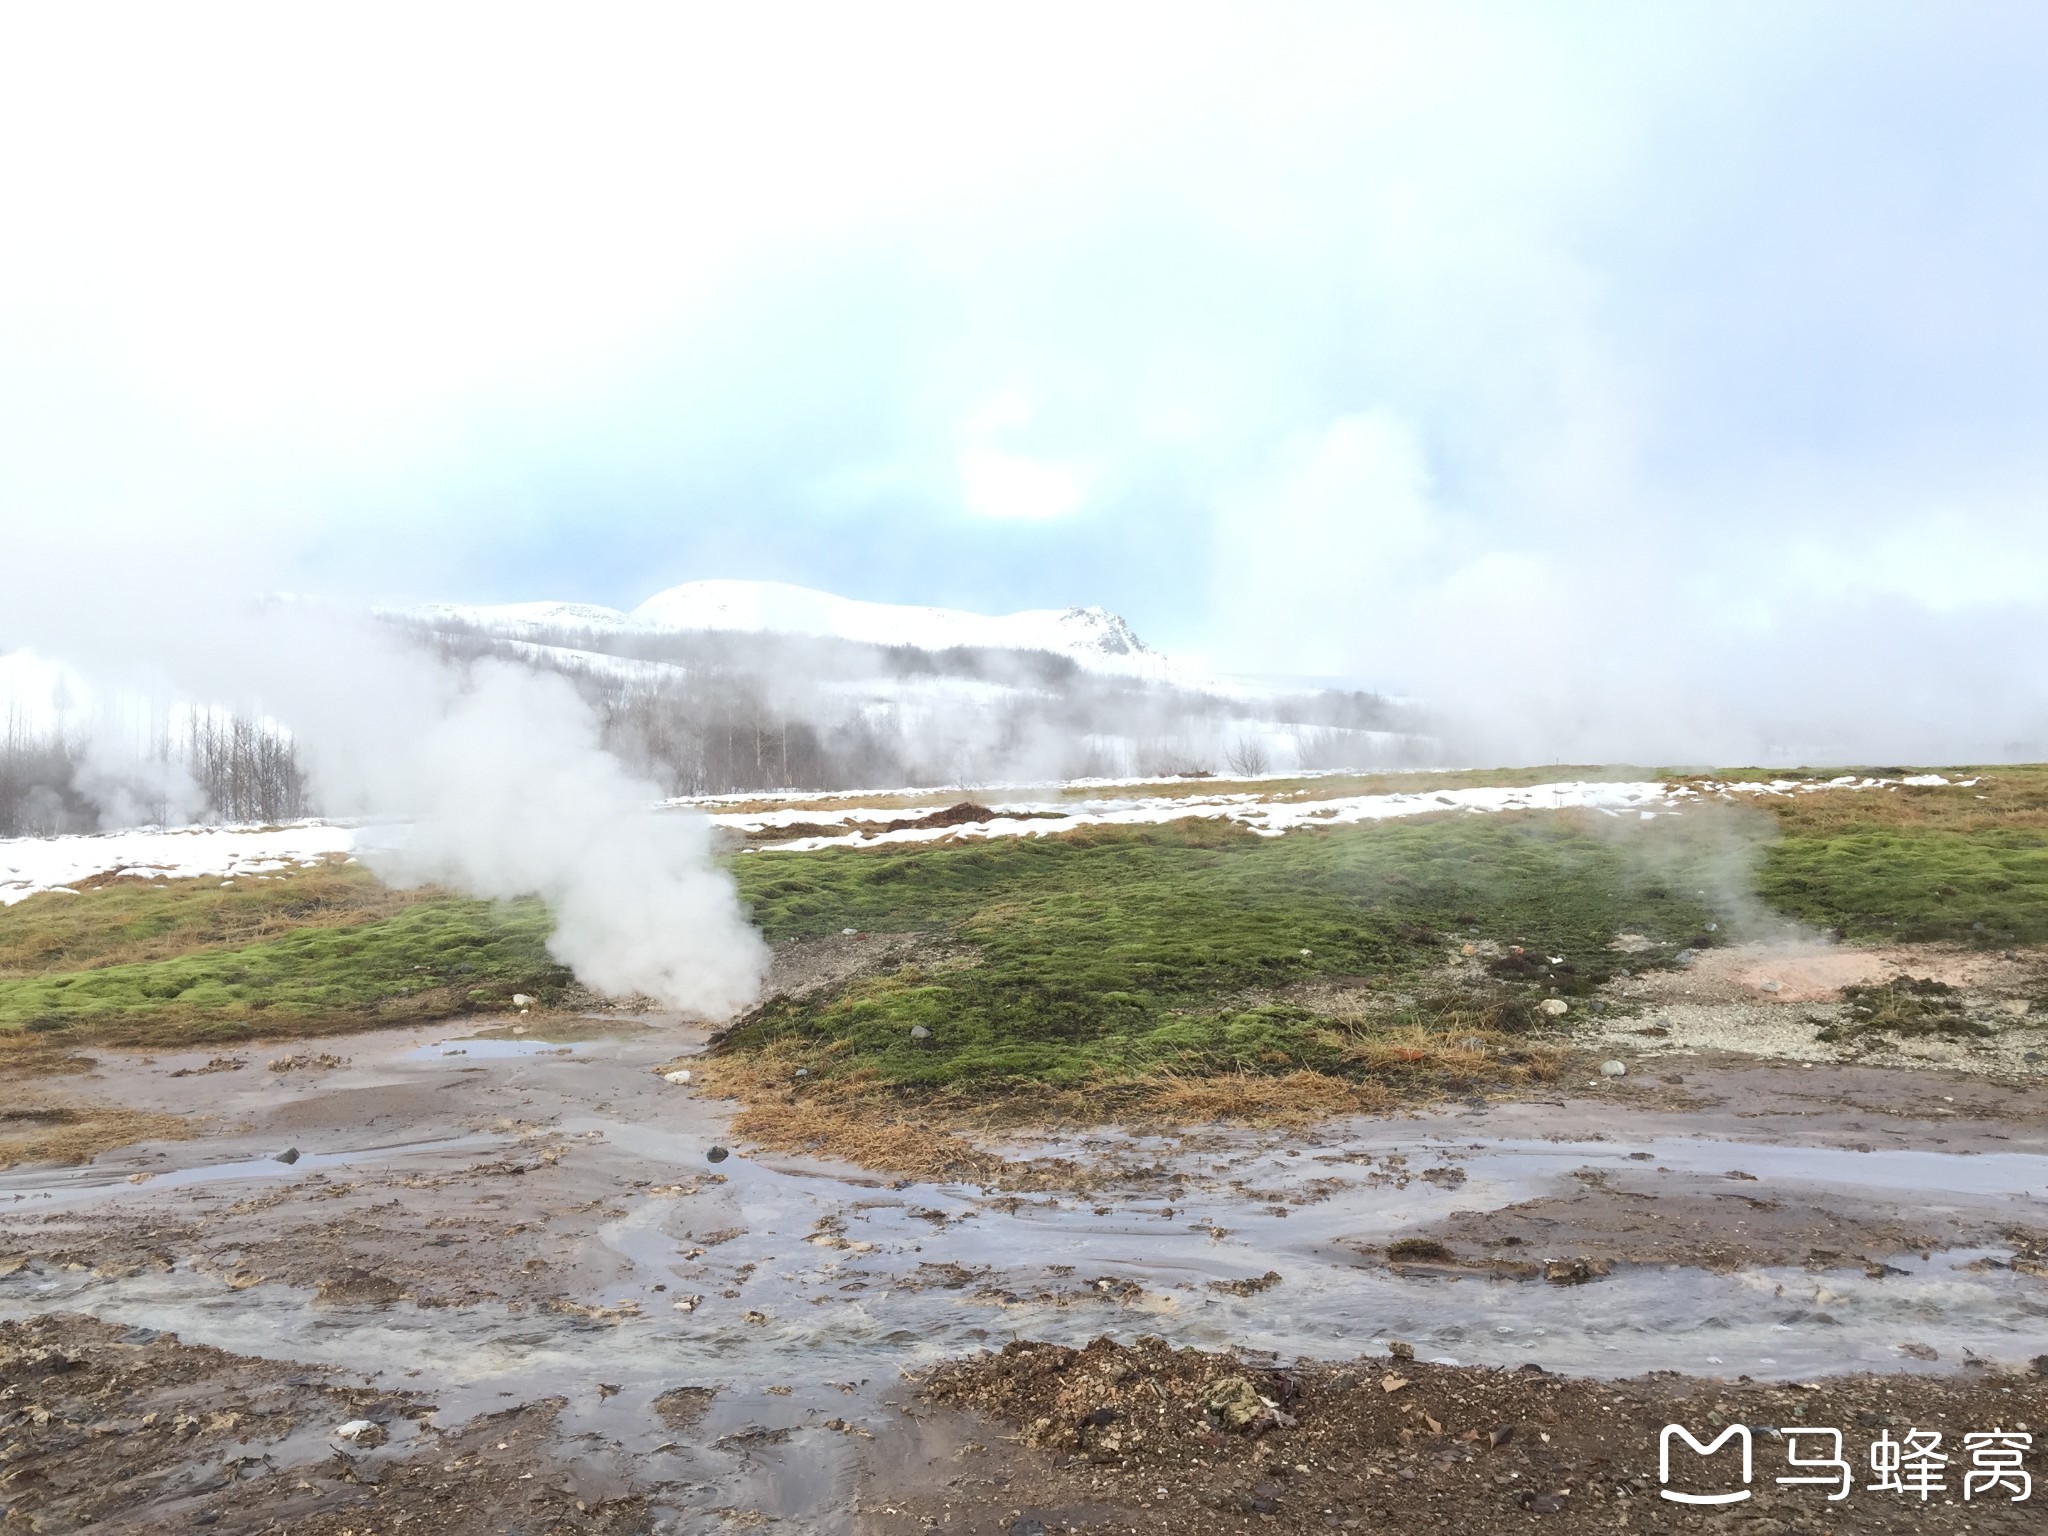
1089 635
728 685
1092 637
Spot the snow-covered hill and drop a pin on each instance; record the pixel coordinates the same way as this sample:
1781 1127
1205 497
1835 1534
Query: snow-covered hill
1089 635
756 684
1092 637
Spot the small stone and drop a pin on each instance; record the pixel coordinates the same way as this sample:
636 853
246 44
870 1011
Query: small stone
1614 1069
717 1155
1556 1007
849 931
1401 1349
1573 1271
521 1000
919 1032
288 1155
361 1432
1235 1402
680 1076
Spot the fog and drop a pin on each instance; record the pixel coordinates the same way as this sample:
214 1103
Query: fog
1596 383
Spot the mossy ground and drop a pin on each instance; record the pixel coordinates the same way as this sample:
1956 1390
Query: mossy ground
317 950
1137 965
1959 863
1179 949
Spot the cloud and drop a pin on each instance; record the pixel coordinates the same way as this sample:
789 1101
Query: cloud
1589 346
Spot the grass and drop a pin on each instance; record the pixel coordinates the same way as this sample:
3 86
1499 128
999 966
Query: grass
364 958
1194 962
121 920
1955 863
1905 1005
1118 954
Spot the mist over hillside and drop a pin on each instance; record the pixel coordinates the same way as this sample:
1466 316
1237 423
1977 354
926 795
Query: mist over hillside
710 697
723 687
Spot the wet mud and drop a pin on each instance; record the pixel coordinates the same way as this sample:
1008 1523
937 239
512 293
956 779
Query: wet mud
527 1230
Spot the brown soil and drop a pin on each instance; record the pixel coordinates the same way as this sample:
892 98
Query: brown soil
107 1428
1125 1439
1612 1221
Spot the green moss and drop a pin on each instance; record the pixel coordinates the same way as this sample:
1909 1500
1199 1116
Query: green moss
427 961
1916 883
1174 947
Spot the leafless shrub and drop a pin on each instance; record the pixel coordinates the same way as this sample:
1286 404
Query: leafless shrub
1247 757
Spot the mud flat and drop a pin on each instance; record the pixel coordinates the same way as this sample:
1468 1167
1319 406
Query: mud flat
514 1255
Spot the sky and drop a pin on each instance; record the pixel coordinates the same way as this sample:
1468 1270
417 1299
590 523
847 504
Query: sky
1646 380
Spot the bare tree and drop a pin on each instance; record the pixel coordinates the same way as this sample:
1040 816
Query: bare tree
1247 757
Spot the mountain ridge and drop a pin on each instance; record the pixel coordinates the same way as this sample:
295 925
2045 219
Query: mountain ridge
1094 637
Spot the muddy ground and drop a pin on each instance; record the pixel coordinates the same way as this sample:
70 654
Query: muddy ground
561 1302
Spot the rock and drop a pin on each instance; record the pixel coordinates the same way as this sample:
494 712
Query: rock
1556 1007
849 932
288 1155
1573 1271
1401 1349
1767 986
2039 1365
1683 957
358 1287
680 1076
1500 1435
717 1155
1920 1351
361 1432
1027 1527
521 1000
919 1032
1614 1069
1235 1403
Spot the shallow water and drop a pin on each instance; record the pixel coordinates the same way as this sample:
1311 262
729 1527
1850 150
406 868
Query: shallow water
841 1283
909 1274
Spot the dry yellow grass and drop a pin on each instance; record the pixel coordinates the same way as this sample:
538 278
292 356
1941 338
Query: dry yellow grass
120 920
55 1131
936 1135
2002 799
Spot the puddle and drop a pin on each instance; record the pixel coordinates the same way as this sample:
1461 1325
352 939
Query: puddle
51 1187
804 1279
836 1283
493 1048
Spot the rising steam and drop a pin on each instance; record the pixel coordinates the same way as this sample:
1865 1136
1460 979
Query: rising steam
512 795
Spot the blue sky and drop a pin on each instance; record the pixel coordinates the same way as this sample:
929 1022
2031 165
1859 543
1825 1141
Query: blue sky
1614 346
